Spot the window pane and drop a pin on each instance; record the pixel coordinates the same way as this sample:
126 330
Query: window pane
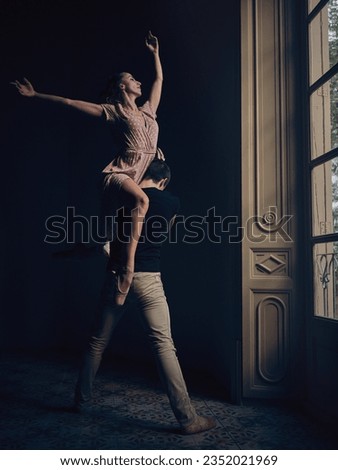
312 4
324 118
323 40
325 198
326 279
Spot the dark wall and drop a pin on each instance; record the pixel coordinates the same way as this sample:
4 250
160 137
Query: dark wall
52 158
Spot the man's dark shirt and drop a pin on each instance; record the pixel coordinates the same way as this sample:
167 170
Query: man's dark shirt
162 208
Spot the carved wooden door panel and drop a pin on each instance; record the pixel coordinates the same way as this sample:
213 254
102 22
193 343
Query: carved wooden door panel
270 324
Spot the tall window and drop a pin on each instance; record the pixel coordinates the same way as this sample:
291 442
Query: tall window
323 160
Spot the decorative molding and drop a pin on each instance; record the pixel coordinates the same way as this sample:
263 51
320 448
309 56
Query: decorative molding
268 180
272 263
272 339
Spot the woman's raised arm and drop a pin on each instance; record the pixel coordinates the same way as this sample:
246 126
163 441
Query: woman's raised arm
26 89
156 89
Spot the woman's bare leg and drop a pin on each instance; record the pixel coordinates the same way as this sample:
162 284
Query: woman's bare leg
134 198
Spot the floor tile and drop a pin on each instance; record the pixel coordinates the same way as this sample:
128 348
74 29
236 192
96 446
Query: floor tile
130 411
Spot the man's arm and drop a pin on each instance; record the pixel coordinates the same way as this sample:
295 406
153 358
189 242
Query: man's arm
172 221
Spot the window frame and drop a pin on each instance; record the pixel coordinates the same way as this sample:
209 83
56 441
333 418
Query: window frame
313 163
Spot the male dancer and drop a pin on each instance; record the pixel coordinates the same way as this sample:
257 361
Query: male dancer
148 291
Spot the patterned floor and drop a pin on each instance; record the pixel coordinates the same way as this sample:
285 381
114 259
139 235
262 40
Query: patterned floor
131 412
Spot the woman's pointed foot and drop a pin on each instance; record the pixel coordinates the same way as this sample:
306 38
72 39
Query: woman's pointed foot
124 278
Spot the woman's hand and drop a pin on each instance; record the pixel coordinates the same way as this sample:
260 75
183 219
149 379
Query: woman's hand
159 154
152 43
156 89
25 89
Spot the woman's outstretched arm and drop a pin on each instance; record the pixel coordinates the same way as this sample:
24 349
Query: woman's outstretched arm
156 89
26 89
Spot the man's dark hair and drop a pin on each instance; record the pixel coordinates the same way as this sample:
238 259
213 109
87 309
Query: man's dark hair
157 171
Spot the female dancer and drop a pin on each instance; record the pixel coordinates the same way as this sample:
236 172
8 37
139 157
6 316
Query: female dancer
135 132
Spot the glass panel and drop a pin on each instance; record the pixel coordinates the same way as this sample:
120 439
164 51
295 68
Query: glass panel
324 118
312 4
326 280
323 40
325 198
